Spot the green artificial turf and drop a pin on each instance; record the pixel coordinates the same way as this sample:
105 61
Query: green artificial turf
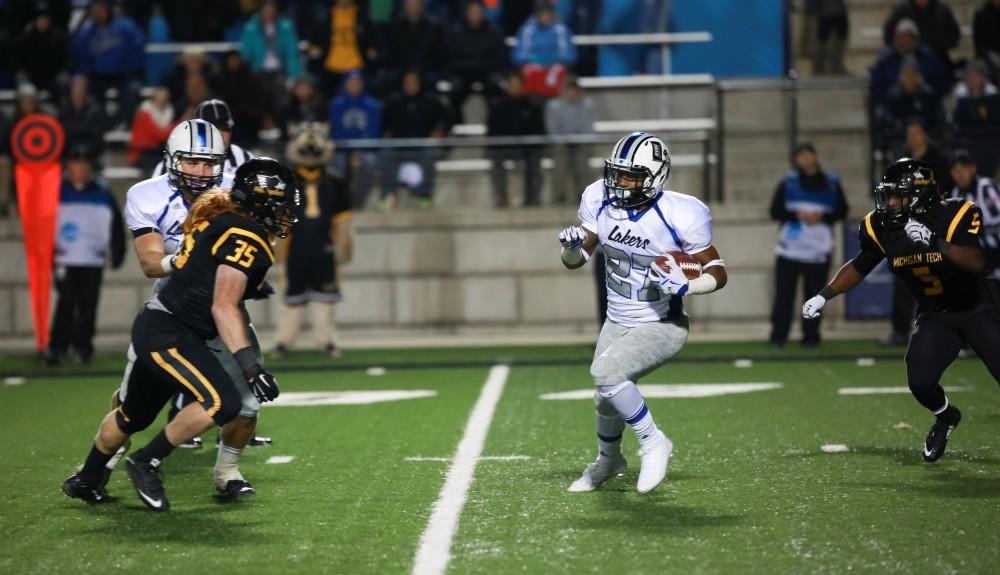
748 490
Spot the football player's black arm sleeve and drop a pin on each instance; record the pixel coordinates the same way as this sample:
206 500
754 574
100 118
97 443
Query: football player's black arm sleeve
117 236
230 283
968 258
141 232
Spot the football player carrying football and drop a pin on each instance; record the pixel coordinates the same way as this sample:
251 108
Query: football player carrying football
933 245
635 221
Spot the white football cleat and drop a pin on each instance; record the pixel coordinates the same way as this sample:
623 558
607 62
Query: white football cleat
598 472
654 463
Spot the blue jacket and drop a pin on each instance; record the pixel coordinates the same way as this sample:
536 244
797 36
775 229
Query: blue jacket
286 45
89 223
885 73
115 48
353 118
544 46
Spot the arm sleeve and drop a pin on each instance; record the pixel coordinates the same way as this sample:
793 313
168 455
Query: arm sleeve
696 234
966 228
117 235
137 217
590 206
778 211
870 253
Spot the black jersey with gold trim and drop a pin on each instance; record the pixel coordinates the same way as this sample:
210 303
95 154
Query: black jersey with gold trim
936 283
230 240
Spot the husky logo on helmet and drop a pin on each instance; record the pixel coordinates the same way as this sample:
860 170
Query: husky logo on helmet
266 189
195 140
635 172
913 185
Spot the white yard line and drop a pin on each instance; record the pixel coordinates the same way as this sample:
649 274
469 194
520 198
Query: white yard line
885 390
434 551
483 458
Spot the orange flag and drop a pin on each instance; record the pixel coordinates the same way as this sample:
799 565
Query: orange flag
37 142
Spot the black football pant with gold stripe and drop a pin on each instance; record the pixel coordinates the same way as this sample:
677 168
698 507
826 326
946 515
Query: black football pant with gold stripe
935 343
172 359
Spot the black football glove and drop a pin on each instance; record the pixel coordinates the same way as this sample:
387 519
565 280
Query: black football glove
264 291
263 385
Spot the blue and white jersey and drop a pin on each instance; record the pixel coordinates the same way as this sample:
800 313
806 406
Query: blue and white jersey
153 205
632 240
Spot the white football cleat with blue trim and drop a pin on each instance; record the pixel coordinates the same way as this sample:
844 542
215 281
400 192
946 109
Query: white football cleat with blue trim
654 463
598 472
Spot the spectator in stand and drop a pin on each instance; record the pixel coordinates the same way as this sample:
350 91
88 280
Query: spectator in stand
976 117
544 50
477 58
515 114
341 42
355 115
195 92
198 20
83 121
937 25
43 54
826 39
150 129
885 73
110 50
244 91
807 203
918 147
572 113
191 61
416 42
305 104
411 114
910 98
986 35
89 226
271 47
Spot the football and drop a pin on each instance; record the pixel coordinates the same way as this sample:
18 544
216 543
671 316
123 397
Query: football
689 265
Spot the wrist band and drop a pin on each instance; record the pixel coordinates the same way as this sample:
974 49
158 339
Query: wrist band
705 283
246 358
167 263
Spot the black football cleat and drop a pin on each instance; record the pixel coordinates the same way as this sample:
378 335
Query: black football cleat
236 490
937 438
147 478
92 493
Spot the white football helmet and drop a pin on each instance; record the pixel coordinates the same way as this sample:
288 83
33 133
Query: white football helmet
194 139
638 157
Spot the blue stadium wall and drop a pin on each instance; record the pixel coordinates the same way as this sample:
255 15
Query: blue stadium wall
749 37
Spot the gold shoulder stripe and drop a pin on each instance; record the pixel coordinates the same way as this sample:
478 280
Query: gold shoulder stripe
871 231
242 232
958 217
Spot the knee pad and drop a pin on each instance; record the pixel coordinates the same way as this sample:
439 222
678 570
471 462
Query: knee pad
128 425
605 374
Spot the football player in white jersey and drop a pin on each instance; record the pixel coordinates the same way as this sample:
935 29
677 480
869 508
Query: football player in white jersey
155 210
635 220
216 112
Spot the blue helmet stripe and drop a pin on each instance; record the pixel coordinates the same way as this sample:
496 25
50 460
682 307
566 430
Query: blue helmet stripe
202 135
628 144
